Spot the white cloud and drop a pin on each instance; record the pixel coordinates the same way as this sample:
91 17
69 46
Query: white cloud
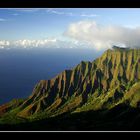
26 10
44 43
2 19
4 44
88 15
34 43
58 12
103 37
15 14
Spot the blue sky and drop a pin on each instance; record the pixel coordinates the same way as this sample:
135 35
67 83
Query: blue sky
20 24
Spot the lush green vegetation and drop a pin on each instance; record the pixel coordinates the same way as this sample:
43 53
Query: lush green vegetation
104 84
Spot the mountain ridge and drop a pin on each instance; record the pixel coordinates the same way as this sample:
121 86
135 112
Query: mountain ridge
106 82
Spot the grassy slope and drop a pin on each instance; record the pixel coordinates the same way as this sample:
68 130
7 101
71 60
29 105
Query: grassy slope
104 84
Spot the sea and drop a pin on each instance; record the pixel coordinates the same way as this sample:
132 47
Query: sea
21 69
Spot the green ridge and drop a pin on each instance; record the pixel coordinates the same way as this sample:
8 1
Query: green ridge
108 81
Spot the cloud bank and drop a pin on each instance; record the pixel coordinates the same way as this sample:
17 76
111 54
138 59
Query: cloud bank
103 37
4 44
84 34
44 43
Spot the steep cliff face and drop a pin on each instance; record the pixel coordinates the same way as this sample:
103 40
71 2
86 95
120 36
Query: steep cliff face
104 83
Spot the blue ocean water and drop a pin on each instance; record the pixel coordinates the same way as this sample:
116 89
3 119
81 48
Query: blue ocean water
21 69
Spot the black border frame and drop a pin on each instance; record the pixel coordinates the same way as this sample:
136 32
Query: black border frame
68 4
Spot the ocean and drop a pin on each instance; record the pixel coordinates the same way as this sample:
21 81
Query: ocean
21 69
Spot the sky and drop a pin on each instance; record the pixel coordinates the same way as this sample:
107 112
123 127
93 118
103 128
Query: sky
97 28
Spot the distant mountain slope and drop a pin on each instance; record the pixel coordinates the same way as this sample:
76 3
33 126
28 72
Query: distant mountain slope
107 82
